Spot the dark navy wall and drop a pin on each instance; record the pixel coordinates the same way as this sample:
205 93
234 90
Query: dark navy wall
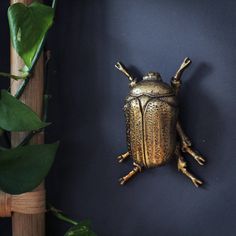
86 41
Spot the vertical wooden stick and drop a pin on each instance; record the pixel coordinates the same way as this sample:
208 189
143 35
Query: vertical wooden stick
23 224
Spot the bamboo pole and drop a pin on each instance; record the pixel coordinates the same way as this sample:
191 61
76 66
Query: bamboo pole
25 224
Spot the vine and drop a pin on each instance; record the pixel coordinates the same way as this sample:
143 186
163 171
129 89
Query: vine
24 167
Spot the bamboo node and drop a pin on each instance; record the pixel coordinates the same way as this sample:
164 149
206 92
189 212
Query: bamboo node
26 203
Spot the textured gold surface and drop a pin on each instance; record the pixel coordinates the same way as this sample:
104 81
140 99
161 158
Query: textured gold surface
151 132
151 112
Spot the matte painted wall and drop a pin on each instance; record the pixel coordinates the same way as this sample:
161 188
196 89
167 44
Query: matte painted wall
87 39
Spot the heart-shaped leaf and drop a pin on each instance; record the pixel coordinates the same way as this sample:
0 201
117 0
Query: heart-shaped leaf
16 116
28 26
23 168
80 230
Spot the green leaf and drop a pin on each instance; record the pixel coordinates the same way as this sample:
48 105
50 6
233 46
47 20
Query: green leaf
16 116
23 168
28 26
80 230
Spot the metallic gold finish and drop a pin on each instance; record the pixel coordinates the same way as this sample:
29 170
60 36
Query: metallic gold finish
176 82
137 168
123 69
186 146
195 155
151 76
181 69
152 127
122 157
182 166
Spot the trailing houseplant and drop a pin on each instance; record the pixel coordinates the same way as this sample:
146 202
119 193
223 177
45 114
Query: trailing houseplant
23 168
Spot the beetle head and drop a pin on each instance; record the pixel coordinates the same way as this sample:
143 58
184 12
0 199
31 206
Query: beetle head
152 76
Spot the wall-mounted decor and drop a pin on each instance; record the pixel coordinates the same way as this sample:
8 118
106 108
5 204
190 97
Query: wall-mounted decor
154 133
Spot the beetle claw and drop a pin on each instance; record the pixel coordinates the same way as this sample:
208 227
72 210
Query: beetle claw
196 182
120 159
200 160
122 181
132 173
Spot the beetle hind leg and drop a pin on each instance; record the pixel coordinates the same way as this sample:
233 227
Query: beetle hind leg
137 168
123 156
186 146
182 166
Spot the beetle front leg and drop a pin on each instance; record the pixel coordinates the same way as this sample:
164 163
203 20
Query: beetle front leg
137 168
123 156
182 166
186 146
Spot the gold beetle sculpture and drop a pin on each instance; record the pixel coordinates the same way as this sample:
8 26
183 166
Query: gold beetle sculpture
152 125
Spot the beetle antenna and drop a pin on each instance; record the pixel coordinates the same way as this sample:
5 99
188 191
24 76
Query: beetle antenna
124 70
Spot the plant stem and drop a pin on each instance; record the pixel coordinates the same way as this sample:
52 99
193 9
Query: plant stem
26 140
34 62
22 88
60 215
31 134
26 81
15 77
